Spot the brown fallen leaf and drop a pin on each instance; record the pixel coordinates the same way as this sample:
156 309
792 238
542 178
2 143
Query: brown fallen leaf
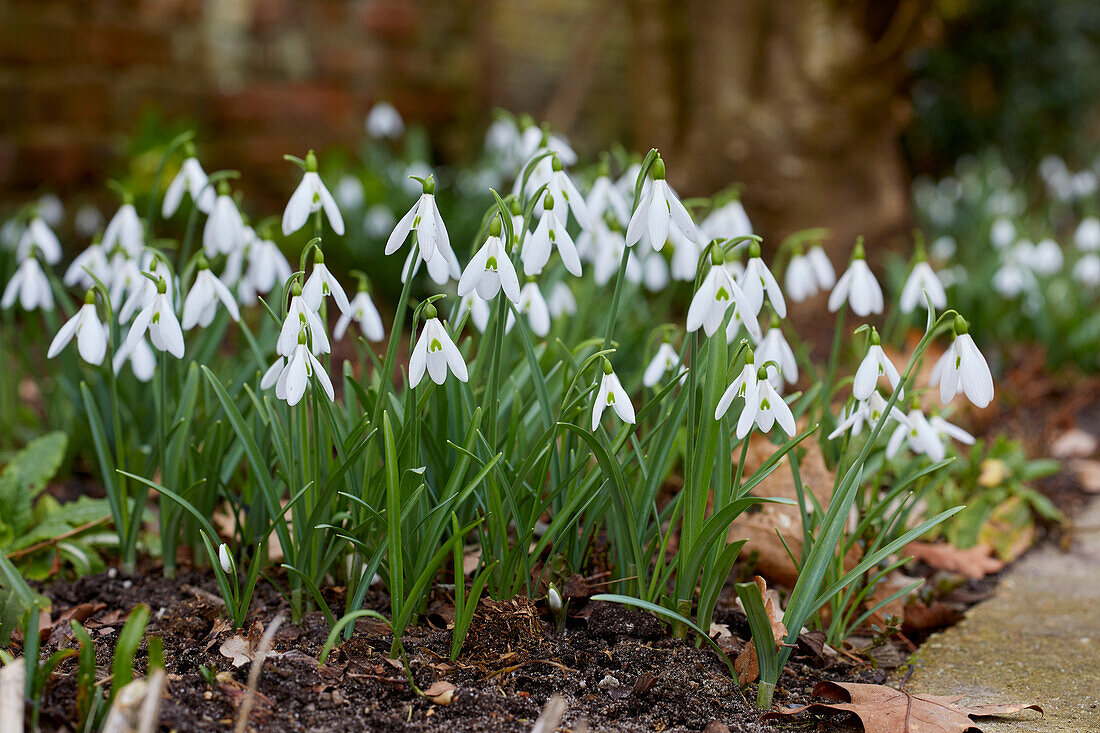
1088 473
746 665
237 649
1074 443
974 562
883 709
441 692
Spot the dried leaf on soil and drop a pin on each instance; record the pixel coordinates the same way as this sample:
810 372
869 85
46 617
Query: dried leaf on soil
883 709
1074 443
237 649
974 562
1088 473
746 664
441 692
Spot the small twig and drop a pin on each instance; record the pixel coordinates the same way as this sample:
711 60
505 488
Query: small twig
514 667
254 674
54 540
551 715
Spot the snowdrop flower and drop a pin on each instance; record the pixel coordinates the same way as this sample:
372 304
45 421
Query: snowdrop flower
301 366
774 347
267 267
741 386
561 301
90 333
658 210
502 140
321 284
349 192
534 140
158 318
611 394
490 270
765 407
962 368
606 197
800 279
1012 278
919 434
142 292
858 287
224 228
945 429
477 308
191 179
533 305
436 352
38 236
1087 270
424 218
201 303
867 411
629 179
442 265
664 361
51 209
384 121
300 316
757 280
125 230
549 233
1002 233
224 559
1087 236
654 272
310 197
91 260
715 295
361 310
565 196
944 247
87 221
874 365
1046 257
378 221
143 362
727 221
685 256
922 280
30 286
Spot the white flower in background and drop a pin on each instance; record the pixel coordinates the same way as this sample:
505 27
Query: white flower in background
142 292
566 197
91 260
800 280
765 407
51 209
758 279
436 352
603 247
299 317
1084 184
224 228
384 121
301 367
628 180
30 286
741 386
477 308
349 192
124 276
201 304
490 269
727 221
659 210
87 221
611 394
858 287
361 310
191 179
1002 233
1012 278
90 333
875 364
655 276
143 362
952 276
1045 258
715 295
158 318
38 236
534 140
378 221
664 361
310 197
920 436
606 197
533 305
922 280
962 368
424 218
685 256
867 412
124 230
502 140
442 265
321 284
10 232
266 268
549 233
1087 270
774 347
561 301
1087 236
945 429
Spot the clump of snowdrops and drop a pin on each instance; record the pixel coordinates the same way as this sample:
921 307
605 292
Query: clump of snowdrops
531 398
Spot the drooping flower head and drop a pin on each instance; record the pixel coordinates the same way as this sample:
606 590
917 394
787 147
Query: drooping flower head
715 295
310 197
857 287
962 368
435 352
874 365
90 333
192 180
922 285
490 270
611 394
658 210
201 304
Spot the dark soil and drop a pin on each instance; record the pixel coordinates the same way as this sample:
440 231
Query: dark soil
616 668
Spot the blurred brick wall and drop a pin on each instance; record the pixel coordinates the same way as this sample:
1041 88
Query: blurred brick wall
260 78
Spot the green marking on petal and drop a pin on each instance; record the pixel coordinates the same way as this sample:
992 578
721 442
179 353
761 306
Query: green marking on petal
435 345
